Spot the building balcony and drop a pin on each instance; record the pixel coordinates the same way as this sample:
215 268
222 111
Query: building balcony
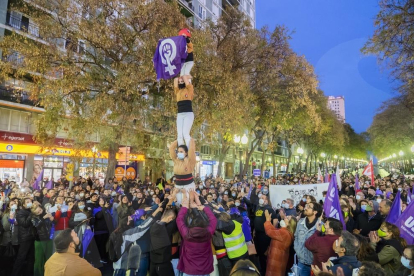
22 23
16 96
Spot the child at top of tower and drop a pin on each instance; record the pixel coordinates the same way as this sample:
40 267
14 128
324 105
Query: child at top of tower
189 61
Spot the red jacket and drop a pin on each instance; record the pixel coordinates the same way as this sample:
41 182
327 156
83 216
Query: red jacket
321 247
196 256
62 220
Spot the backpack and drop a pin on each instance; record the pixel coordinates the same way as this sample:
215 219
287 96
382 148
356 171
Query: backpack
114 245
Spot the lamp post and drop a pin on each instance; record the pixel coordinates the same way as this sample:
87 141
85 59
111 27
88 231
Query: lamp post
300 152
94 150
401 154
239 141
323 155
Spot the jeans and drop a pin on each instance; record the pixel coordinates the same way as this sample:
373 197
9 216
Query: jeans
186 69
143 265
174 264
304 270
184 123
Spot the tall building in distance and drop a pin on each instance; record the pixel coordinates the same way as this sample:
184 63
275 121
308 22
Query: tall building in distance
337 105
198 11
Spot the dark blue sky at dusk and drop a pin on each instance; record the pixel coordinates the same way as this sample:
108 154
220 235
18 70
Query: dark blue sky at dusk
330 34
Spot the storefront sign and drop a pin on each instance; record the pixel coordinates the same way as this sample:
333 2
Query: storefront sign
210 163
14 137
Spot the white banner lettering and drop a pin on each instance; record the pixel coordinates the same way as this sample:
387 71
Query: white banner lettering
278 193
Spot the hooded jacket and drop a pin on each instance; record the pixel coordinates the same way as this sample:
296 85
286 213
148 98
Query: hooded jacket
196 255
24 220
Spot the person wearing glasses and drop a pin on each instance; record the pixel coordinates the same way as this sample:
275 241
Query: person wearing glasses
407 261
304 230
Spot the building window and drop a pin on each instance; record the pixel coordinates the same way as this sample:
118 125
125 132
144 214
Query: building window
205 150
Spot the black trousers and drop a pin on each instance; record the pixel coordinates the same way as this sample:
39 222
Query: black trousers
262 242
101 241
224 266
25 254
163 269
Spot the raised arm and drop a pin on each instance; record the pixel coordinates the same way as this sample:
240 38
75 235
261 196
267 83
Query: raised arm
191 151
173 147
175 84
180 222
186 80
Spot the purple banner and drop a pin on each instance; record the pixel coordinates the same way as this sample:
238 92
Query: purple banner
49 184
395 210
332 206
36 184
406 224
169 57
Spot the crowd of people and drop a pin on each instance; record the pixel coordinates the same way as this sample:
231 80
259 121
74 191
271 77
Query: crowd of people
218 228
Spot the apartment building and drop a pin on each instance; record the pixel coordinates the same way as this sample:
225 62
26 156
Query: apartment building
337 105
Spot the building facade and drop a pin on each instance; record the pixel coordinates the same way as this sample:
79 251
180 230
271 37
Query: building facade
21 157
337 105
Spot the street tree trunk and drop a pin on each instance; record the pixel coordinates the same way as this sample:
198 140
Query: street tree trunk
263 161
222 156
289 156
110 171
306 165
274 164
253 146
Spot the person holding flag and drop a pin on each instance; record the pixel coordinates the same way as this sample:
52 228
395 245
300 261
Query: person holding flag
369 171
332 205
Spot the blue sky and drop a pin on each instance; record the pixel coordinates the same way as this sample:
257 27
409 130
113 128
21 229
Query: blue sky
330 34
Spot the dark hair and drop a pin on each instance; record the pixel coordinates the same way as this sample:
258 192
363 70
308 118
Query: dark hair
365 251
184 147
318 208
388 202
62 240
350 243
395 233
244 268
336 226
371 269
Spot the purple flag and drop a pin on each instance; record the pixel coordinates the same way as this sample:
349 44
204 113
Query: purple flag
406 224
250 191
395 211
169 57
332 206
36 184
49 184
86 240
356 182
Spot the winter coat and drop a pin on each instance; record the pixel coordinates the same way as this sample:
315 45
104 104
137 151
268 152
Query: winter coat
24 220
347 263
321 247
388 254
62 220
124 211
278 253
103 221
367 225
161 241
301 235
10 233
43 227
196 256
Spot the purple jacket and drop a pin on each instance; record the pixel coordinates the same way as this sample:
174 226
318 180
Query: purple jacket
196 256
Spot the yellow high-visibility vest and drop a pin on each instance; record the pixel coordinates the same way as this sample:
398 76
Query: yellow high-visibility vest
235 242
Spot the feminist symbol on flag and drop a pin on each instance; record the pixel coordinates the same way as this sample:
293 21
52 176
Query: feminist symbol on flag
168 52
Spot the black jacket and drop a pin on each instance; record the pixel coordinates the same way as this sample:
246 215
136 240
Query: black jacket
362 222
161 237
26 229
103 221
43 227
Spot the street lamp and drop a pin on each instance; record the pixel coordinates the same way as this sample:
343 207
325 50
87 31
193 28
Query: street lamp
300 152
244 139
240 141
94 150
401 153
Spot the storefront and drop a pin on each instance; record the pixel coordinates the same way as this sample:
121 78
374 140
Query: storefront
21 157
12 167
208 167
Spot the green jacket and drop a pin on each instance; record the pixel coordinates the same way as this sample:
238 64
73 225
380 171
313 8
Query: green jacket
389 258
